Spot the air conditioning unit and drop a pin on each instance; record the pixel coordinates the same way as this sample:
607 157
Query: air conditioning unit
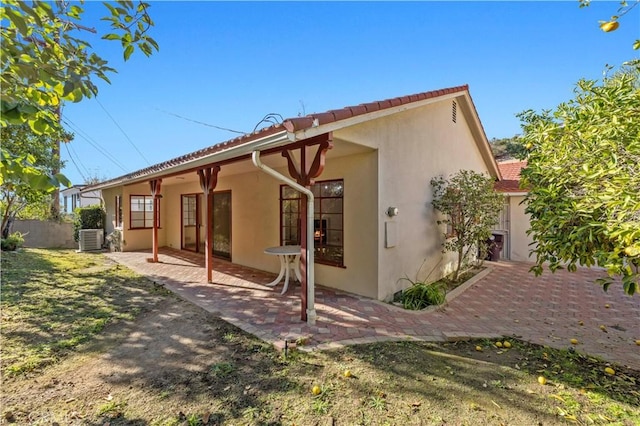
91 239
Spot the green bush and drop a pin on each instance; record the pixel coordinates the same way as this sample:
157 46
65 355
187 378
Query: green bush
12 242
421 295
92 217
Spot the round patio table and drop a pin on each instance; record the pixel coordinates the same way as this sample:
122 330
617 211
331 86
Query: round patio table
289 260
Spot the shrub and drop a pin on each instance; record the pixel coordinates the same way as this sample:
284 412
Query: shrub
421 295
92 217
471 207
12 242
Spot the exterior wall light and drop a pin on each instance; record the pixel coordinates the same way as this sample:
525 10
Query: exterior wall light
392 211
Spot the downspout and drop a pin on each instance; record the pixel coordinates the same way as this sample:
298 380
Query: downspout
311 310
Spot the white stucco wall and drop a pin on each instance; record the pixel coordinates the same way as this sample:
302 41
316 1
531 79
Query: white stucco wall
255 220
520 241
415 146
139 239
109 200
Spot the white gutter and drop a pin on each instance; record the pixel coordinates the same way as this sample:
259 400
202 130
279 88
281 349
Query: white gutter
311 310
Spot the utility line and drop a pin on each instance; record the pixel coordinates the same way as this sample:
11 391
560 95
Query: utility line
70 146
66 145
94 144
201 122
123 132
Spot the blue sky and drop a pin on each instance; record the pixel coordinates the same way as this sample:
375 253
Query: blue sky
231 63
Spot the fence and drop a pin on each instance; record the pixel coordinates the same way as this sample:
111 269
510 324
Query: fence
45 234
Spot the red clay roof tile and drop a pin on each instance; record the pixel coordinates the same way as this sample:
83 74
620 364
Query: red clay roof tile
510 171
291 125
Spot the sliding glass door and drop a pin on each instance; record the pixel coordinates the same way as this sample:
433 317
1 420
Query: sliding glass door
193 217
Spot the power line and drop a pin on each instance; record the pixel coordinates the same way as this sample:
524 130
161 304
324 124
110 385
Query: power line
201 122
70 146
94 144
84 178
123 132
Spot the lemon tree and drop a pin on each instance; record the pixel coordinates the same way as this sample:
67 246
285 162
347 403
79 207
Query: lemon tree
584 180
613 23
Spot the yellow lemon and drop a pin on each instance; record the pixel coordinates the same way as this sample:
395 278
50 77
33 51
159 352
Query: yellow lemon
574 341
347 373
479 348
316 390
607 306
638 342
499 344
542 380
506 344
607 27
603 328
610 371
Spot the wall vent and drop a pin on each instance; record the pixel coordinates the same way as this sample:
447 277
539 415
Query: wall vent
454 111
91 239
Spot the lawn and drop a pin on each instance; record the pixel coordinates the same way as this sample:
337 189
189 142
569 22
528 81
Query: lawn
87 342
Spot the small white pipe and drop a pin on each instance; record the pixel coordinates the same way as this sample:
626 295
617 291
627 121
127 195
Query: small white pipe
311 309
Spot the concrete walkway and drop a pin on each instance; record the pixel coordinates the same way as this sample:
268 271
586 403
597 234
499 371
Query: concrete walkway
508 301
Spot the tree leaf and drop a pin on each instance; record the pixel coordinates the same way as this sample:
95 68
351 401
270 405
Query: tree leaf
128 51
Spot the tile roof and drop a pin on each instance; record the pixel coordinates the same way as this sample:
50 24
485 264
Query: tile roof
510 171
291 125
300 123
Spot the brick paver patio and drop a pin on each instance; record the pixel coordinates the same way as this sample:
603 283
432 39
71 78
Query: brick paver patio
509 301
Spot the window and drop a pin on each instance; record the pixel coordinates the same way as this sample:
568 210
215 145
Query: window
189 210
118 221
328 220
142 211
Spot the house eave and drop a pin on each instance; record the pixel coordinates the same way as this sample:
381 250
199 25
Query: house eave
280 138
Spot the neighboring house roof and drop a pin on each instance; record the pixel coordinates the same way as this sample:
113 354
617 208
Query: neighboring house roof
72 189
510 171
293 129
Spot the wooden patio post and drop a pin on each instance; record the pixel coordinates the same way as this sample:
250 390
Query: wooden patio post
155 185
304 175
208 181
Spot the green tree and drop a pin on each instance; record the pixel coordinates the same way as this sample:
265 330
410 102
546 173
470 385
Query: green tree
507 147
30 183
584 180
471 207
45 61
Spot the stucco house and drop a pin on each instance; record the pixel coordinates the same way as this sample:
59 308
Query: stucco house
368 168
514 222
74 197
